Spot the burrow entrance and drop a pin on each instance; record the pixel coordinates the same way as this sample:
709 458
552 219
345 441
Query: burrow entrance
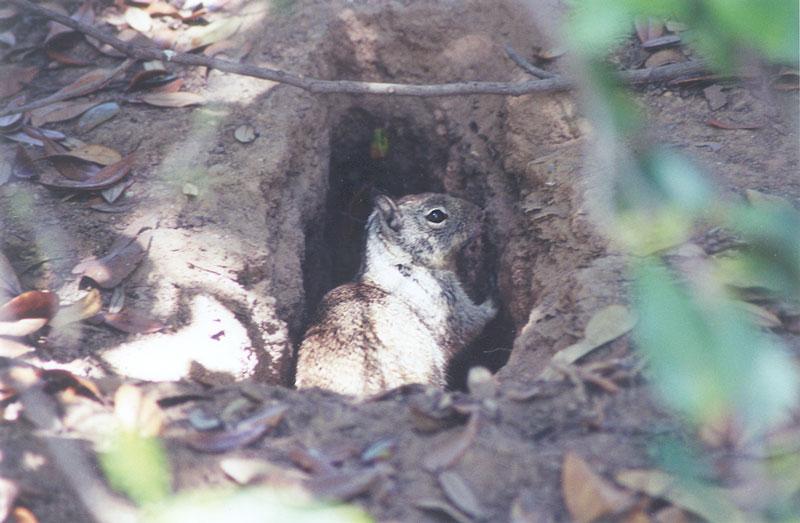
380 149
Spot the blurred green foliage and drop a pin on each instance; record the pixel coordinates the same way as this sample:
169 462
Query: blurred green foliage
137 466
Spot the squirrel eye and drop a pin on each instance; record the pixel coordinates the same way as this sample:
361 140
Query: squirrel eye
436 216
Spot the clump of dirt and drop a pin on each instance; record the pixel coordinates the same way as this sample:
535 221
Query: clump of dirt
237 271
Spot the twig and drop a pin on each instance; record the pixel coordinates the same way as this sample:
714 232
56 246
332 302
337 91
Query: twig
526 66
316 85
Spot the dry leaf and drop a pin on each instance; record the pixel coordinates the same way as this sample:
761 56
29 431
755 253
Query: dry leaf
87 83
606 325
138 19
97 115
381 450
59 112
459 492
661 41
201 36
8 496
243 433
758 198
124 256
711 503
449 450
344 485
586 494
27 313
132 322
113 193
95 153
664 57
715 97
102 179
179 99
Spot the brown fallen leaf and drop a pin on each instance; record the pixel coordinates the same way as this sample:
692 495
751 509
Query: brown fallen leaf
719 124
57 380
88 83
648 28
448 451
587 495
664 57
149 79
172 87
788 79
243 433
59 112
27 313
662 41
460 494
123 257
310 459
101 179
94 153
132 322
160 8
381 450
344 485
8 497
138 19
97 115
176 99
203 35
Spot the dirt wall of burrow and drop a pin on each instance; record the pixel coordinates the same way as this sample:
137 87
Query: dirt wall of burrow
519 158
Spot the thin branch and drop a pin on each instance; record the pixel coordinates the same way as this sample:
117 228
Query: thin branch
526 66
316 85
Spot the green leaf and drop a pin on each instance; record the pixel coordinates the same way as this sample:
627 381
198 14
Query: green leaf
137 466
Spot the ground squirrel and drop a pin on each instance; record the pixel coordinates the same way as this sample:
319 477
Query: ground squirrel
407 314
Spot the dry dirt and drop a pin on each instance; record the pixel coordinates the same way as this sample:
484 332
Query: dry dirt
236 271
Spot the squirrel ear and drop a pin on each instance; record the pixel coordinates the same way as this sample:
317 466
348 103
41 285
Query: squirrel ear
389 211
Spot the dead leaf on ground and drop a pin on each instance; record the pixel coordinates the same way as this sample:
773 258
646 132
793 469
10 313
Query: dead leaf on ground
587 495
310 459
6 168
709 502
138 19
59 112
243 433
606 325
8 496
12 122
648 28
344 485
124 256
729 125
82 309
661 41
381 450
132 322
95 153
27 313
460 494
761 199
664 57
87 83
177 99
97 115
448 451
113 193
149 79
101 179
788 79
8 38
160 8
201 36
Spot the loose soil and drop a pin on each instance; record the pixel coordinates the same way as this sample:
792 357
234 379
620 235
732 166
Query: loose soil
236 271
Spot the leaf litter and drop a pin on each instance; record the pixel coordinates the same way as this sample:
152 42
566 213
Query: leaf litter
123 257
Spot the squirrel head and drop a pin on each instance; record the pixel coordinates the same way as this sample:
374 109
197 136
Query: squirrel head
429 228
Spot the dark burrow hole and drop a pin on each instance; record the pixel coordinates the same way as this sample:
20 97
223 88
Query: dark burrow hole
414 162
